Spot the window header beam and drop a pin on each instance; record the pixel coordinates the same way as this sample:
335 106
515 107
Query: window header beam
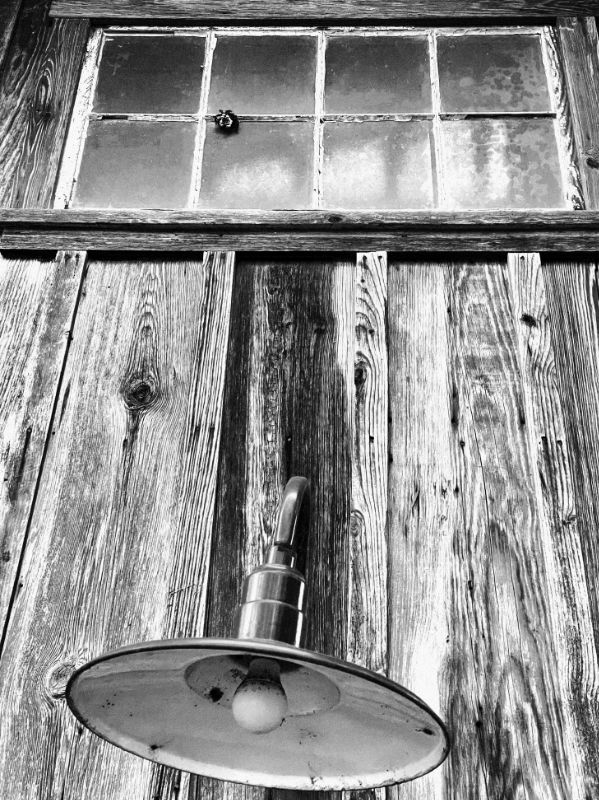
176 231
226 10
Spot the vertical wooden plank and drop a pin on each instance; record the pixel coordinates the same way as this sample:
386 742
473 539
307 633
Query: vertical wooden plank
38 298
423 495
287 412
123 519
367 603
9 10
473 572
367 596
37 89
580 59
578 670
525 732
572 290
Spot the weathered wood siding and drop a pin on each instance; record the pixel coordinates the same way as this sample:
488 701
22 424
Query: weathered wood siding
38 297
153 406
446 414
38 81
316 9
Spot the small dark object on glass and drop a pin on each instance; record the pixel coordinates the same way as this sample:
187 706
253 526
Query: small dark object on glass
227 121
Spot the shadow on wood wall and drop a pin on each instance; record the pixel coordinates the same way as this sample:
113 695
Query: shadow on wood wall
444 413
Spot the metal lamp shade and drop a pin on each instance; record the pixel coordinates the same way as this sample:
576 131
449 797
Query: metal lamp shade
346 727
336 725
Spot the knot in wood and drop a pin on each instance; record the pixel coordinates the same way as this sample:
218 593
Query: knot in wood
140 393
357 524
58 677
592 154
360 375
42 104
529 320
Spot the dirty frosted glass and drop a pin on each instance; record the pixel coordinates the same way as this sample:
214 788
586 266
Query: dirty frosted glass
264 165
378 165
150 74
136 165
263 74
501 163
377 75
492 73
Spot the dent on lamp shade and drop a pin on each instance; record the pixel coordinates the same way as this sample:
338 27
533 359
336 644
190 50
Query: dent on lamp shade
344 727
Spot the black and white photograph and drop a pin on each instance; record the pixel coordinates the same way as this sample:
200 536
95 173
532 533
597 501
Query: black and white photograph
299 400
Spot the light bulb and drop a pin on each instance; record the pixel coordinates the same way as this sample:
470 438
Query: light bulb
260 704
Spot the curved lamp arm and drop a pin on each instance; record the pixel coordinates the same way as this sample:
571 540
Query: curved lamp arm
272 596
296 497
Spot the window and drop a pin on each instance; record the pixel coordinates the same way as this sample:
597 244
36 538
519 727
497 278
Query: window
345 118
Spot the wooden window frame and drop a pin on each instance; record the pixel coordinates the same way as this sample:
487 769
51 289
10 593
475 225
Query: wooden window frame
558 111
223 11
548 231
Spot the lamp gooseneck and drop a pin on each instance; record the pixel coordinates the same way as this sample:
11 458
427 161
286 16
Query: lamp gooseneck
273 595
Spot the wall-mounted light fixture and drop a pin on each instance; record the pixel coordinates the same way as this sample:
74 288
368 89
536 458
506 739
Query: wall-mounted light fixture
259 709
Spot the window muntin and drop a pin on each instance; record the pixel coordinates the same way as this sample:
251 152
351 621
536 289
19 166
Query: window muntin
399 146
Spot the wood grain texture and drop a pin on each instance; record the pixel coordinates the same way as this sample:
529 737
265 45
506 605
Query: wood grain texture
572 291
9 10
38 298
120 538
37 90
578 669
144 220
367 602
304 241
574 231
287 411
580 59
422 503
311 9
475 624
566 141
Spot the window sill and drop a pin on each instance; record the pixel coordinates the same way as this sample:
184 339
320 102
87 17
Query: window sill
409 231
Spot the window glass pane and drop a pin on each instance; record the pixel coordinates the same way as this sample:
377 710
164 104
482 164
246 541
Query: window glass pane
376 75
492 73
264 165
501 163
136 165
263 74
150 74
378 165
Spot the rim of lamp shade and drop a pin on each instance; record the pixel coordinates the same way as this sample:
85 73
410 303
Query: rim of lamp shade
170 702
